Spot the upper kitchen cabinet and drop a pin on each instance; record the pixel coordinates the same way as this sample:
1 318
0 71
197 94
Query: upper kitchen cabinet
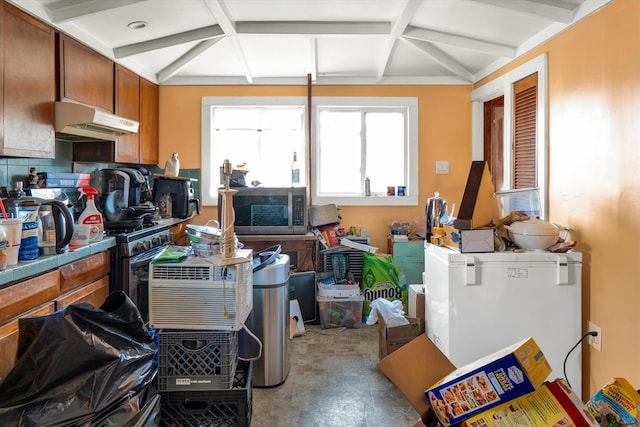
136 99
84 75
28 87
127 105
149 122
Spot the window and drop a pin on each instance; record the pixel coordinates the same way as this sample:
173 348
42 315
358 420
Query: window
524 151
354 138
261 133
357 138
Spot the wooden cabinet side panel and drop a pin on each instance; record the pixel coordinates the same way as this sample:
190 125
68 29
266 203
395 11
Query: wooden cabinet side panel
85 76
94 293
29 85
29 294
128 105
149 122
78 273
9 334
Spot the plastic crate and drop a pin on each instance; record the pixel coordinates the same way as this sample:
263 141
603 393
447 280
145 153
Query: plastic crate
218 408
340 312
196 360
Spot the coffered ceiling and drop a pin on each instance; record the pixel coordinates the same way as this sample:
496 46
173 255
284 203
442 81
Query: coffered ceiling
335 41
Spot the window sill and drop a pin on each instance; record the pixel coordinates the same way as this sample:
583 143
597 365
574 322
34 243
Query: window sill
382 200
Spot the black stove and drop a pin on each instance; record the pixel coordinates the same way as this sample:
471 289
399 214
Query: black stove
133 241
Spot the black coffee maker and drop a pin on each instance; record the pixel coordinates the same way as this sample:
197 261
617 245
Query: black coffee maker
181 192
121 193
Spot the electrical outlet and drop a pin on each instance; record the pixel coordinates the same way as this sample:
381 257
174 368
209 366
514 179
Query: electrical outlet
596 342
442 167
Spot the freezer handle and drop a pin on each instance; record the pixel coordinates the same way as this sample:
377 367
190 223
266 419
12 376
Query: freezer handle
470 270
562 270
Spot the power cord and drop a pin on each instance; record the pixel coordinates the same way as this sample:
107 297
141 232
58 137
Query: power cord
564 365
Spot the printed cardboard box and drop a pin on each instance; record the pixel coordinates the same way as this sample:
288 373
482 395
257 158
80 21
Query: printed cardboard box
416 304
500 377
554 404
478 240
617 403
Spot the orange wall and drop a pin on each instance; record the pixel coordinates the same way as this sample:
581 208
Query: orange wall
594 184
444 134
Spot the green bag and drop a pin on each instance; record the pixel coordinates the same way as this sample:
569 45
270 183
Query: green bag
381 278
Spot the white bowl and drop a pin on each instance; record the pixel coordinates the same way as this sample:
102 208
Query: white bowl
533 234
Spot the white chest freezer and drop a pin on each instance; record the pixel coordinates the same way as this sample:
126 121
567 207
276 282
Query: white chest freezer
476 304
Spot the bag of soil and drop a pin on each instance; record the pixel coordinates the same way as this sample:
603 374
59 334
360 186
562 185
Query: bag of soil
81 366
381 278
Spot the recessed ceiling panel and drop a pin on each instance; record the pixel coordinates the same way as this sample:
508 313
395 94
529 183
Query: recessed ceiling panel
351 56
407 60
277 56
220 60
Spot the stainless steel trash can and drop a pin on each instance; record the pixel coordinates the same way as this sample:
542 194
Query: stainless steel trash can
269 321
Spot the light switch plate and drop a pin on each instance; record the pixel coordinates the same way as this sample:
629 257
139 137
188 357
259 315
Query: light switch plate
442 167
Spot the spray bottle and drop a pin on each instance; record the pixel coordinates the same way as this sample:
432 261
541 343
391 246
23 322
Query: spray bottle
91 215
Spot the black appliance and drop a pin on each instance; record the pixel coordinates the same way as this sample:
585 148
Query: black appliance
182 195
134 250
123 196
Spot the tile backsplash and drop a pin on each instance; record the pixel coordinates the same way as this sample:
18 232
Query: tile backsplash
17 169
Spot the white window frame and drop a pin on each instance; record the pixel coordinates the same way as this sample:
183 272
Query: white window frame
211 173
410 160
504 86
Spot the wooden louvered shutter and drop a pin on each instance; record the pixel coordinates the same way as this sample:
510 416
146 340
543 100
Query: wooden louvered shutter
525 106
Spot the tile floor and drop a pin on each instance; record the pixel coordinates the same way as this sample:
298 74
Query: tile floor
333 381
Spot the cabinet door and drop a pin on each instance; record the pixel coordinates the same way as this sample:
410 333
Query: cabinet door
85 75
9 338
127 105
149 97
94 293
29 86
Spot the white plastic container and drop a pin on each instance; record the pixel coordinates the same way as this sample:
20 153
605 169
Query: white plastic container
92 216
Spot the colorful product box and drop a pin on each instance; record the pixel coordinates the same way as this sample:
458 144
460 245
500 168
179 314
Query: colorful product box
554 404
616 404
488 382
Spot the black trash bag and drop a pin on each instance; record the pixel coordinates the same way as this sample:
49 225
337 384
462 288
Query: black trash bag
74 365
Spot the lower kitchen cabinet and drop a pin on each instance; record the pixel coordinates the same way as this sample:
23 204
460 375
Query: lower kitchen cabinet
85 280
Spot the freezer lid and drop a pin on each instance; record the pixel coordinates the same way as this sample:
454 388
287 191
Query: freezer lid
455 258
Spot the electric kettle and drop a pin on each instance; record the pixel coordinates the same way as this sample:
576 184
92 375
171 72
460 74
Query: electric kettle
436 208
57 227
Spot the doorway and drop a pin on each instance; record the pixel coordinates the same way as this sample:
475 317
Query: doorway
493 140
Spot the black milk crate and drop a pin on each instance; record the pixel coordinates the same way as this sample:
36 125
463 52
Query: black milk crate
196 360
219 408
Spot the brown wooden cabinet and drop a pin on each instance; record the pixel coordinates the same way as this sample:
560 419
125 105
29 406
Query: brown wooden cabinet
28 87
127 105
85 76
85 280
149 122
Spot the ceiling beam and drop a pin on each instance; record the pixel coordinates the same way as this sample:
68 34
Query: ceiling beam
171 69
199 34
440 57
398 27
313 28
59 15
559 12
221 15
460 41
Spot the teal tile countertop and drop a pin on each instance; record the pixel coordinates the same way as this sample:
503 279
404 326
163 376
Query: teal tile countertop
25 269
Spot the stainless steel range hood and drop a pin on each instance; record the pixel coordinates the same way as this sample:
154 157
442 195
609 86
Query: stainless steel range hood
79 122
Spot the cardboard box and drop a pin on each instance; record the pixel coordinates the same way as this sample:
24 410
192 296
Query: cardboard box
469 241
499 377
617 403
554 404
419 365
416 304
64 180
479 205
392 338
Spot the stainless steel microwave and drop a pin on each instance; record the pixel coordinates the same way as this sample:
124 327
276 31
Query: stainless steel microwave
269 210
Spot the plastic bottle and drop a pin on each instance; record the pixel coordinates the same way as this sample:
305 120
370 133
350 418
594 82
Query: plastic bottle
295 171
91 215
367 187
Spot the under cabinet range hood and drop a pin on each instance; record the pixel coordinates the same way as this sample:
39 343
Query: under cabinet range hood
79 122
